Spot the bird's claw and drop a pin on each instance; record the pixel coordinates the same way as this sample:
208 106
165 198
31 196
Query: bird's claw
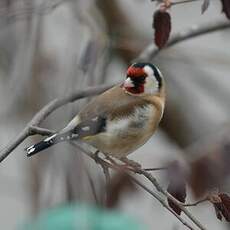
130 163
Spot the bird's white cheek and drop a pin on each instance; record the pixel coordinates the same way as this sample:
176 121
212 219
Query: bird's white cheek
128 83
151 86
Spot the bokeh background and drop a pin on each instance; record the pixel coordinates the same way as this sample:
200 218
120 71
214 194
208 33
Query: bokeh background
50 48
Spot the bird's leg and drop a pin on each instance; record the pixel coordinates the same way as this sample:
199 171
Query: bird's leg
110 159
131 163
96 155
107 157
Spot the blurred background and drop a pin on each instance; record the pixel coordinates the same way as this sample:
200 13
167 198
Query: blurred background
50 48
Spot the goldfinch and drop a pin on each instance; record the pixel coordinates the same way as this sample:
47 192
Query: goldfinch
121 119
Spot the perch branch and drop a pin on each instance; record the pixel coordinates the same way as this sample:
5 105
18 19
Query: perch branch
156 169
151 179
30 129
150 52
163 202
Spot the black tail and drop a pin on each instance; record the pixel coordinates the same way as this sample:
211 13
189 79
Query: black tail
46 143
85 128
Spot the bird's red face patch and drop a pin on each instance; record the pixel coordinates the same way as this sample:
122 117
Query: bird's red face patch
135 90
135 80
135 72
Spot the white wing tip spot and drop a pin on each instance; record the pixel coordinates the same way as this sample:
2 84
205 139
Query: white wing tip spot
86 128
30 150
95 119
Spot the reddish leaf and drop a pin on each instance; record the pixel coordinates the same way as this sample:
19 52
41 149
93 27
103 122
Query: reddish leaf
162 26
204 175
177 185
211 170
226 7
226 206
205 5
217 207
221 203
225 199
118 184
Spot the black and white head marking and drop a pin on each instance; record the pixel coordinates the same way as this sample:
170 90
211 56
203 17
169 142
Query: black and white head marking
154 77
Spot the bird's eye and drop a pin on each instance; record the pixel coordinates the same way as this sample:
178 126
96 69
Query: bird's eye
140 79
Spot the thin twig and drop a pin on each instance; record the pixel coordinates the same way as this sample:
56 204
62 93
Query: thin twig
146 175
14 144
152 50
153 180
106 172
33 130
156 169
162 201
196 203
182 2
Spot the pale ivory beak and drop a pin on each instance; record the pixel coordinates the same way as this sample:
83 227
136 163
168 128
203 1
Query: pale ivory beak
128 83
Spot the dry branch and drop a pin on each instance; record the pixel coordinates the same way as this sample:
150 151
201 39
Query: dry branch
44 113
148 176
150 52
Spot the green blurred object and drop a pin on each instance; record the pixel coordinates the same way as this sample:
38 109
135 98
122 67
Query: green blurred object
82 217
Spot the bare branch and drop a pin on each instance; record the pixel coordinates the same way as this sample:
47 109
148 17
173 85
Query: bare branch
152 51
44 113
106 165
163 202
183 1
14 144
33 130
156 169
196 203
169 196
147 176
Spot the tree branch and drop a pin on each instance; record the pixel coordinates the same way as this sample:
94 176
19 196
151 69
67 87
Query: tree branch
152 50
163 202
30 129
196 203
151 179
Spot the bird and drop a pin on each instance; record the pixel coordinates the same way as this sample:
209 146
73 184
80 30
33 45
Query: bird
121 119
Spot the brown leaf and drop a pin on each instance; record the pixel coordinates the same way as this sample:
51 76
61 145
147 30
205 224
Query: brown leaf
211 170
177 185
162 26
118 184
205 5
226 8
217 207
225 199
221 205
204 175
226 205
